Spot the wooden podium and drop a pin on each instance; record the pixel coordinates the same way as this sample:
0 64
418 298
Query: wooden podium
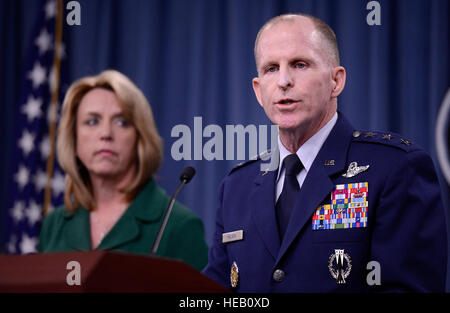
101 271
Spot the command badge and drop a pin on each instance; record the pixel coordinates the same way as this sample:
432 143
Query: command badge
339 265
234 275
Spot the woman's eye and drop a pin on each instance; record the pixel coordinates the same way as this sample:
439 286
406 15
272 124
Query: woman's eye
91 121
122 122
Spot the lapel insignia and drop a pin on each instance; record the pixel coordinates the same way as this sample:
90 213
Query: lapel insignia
234 275
354 169
265 172
405 142
329 163
233 236
369 134
339 265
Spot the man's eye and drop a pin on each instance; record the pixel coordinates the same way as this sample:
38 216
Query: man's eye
271 69
300 65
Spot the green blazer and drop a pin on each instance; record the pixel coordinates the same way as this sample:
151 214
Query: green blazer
135 231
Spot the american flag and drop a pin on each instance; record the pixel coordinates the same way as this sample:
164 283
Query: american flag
34 172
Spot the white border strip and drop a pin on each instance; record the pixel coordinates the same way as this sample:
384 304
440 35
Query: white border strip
442 124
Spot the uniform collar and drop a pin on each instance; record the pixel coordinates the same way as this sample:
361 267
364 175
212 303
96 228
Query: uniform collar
308 151
333 155
330 160
148 206
150 203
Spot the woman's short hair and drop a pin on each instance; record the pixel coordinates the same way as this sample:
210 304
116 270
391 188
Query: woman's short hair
136 110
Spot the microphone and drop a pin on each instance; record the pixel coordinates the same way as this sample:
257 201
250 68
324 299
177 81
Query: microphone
187 174
185 177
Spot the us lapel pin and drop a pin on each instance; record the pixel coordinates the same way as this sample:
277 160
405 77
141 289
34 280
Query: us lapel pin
329 163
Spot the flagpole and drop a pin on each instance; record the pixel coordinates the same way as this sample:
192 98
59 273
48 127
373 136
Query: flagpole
54 104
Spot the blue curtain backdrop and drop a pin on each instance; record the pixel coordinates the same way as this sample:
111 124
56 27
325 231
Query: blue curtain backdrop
195 58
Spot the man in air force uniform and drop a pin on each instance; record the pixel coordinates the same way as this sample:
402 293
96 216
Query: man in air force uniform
343 210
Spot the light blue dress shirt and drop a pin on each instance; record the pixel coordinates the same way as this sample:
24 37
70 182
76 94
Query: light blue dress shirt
306 153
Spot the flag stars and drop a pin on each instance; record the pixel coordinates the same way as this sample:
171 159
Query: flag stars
17 212
37 75
32 109
22 176
44 148
58 184
26 142
27 244
11 245
24 210
40 180
44 41
51 9
33 213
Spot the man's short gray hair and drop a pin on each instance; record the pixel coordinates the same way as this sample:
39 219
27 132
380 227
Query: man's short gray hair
323 28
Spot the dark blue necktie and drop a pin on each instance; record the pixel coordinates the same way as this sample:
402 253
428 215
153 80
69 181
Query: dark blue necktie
288 196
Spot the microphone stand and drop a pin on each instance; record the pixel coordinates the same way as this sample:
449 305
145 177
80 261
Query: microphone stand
166 217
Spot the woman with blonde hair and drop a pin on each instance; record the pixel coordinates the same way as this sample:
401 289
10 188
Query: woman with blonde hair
110 149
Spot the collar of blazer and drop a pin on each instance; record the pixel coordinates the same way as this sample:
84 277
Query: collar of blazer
148 206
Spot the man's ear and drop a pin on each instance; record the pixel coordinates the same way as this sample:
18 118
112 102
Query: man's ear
338 78
256 89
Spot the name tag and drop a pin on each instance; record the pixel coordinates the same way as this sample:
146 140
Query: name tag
232 236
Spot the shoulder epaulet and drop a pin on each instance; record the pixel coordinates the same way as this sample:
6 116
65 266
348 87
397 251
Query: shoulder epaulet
264 155
384 138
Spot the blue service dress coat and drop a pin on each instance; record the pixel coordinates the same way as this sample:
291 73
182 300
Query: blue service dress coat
389 212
